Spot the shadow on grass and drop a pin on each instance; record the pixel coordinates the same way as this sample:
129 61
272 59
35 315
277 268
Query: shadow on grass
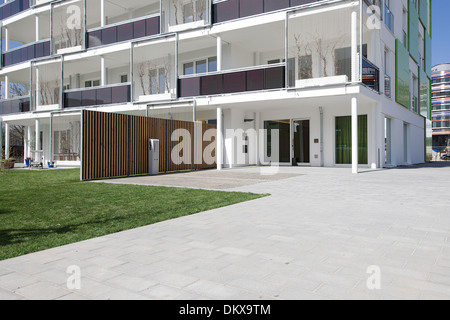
19 236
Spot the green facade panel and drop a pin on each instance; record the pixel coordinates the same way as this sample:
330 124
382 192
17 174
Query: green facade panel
423 13
413 31
424 92
428 60
402 89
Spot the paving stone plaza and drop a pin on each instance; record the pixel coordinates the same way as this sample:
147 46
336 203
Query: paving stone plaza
323 233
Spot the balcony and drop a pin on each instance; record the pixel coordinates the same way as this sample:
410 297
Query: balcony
15 105
26 53
114 94
235 9
13 7
234 81
370 75
123 32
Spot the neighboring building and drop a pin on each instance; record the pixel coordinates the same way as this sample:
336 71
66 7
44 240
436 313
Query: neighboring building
441 106
307 71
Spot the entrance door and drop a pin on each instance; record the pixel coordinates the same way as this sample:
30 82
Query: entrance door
301 141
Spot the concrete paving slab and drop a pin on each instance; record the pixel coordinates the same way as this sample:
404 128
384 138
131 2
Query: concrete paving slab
317 236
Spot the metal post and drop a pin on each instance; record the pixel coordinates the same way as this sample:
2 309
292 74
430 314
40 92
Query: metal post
7 141
354 135
219 143
219 53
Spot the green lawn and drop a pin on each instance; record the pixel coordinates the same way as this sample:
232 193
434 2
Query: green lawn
45 209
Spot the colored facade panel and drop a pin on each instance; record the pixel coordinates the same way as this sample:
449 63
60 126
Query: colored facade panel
428 55
402 74
413 32
423 12
424 91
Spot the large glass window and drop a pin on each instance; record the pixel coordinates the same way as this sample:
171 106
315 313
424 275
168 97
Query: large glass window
46 84
319 45
154 68
344 140
179 14
68 25
66 131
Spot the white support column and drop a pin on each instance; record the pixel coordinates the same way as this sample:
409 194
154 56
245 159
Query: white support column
219 143
37 142
6 140
354 48
6 86
103 79
102 13
6 39
257 136
29 134
354 135
37 27
219 53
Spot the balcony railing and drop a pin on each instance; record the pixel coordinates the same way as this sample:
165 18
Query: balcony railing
15 105
13 7
235 9
86 97
29 52
370 75
123 32
256 79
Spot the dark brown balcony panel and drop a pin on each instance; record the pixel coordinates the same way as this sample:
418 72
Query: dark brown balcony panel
234 9
13 7
189 87
225 11
255 80
211 85
16 105
251 7
234 82
272 5
274 78
123 32
120 94
27 53
87 97
104 96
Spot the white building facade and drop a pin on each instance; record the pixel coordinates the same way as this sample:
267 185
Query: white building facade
296 82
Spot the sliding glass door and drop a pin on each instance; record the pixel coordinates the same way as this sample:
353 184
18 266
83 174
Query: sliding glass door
301 136
284 131
344 140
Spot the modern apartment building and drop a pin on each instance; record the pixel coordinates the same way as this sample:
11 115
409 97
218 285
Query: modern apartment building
316 77
441 106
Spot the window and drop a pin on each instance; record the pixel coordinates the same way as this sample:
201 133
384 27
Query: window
344 140
91 83
200 66
124 78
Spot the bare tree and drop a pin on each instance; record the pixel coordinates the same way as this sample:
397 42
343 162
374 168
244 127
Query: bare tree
302 50
141 74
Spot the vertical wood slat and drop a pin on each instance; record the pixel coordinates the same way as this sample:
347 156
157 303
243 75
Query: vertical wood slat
114 142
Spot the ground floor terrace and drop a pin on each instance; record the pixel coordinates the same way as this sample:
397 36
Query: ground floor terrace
314 128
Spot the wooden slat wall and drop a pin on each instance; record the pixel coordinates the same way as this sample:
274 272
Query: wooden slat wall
115 145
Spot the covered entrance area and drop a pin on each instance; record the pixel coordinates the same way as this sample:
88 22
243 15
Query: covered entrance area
311 131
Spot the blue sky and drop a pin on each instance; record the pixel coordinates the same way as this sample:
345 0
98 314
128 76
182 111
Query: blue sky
441 31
